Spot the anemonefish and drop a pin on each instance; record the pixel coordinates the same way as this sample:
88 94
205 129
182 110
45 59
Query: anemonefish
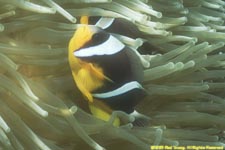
107 72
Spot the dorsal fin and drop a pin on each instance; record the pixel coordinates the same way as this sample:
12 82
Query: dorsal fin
84 20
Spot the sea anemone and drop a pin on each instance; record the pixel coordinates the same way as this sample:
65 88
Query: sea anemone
41 108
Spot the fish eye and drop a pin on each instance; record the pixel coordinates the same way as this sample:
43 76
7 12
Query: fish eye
97 36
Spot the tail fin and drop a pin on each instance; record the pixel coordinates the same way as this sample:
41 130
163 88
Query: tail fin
141 120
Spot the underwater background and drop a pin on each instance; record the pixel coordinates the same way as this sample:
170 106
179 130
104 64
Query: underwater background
41 108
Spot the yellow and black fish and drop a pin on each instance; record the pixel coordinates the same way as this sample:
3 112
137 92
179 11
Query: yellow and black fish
108 73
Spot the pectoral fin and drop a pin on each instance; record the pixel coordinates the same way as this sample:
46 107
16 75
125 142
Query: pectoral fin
87 82
99 73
